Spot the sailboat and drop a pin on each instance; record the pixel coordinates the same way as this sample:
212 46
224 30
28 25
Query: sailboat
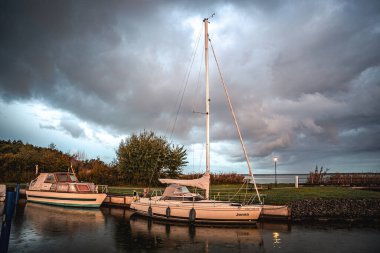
177 203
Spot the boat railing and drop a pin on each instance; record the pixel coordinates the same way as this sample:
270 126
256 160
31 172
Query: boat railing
33 182
101 188
156 192
245 197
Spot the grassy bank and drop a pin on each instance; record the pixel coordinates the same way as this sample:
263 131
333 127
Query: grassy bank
284 194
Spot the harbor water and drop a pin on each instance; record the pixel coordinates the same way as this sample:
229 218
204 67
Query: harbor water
42 228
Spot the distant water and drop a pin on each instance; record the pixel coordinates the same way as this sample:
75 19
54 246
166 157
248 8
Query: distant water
40 228
281 178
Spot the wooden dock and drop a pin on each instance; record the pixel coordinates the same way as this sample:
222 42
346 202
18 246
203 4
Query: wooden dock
118 201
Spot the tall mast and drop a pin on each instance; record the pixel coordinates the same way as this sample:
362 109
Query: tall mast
207 107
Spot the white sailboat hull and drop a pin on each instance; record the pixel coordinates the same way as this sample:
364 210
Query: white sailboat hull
65 198
205 211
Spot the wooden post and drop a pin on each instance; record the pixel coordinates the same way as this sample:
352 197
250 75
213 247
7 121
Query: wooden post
7 221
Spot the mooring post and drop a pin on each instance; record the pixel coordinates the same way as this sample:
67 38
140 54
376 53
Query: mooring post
7 221
17 194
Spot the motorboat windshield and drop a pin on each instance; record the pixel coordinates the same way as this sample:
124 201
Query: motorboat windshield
66 177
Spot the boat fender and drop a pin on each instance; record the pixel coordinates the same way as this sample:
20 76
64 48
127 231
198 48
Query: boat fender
192 215
168 212
150 213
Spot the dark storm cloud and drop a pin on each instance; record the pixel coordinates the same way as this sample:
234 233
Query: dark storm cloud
321 79
93 59
301 74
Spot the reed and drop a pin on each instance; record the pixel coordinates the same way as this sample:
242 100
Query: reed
321 177
354 179
318 176
218 178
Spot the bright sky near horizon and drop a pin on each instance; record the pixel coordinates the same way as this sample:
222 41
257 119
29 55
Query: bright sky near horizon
304 78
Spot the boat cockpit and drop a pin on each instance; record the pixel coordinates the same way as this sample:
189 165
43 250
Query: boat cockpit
180 193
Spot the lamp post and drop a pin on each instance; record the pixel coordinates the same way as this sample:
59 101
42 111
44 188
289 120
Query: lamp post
275 170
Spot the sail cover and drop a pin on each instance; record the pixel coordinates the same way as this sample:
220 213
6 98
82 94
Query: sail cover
202 182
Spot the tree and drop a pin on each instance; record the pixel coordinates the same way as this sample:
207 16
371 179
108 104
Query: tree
143 158
52 146
18 160
97 171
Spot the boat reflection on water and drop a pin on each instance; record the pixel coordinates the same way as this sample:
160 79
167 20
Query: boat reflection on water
53 219
146 233
44 228
54 226
197 234
1 208
41 228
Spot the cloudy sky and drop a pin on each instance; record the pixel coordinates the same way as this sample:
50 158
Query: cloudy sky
304 78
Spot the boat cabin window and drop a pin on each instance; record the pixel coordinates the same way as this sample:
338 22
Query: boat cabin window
65 177
183 198
72 188
73 178
50 178
62 187
83 187
195 198
181 190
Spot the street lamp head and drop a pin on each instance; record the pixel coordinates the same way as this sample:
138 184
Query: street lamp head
275 170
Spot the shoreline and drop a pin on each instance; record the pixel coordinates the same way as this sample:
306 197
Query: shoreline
324 210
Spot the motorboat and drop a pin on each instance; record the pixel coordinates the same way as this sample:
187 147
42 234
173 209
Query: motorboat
63 189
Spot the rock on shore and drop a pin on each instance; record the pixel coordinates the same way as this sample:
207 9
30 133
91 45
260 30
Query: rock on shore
335 209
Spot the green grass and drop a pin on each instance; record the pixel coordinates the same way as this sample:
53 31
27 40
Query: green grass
284 194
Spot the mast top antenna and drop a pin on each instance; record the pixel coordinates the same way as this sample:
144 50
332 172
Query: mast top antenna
212 15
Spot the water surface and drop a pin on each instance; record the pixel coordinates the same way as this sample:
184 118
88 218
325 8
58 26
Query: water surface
42 228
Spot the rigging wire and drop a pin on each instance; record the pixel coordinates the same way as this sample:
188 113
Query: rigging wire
186 83
196 107
234 117
233 196
179 106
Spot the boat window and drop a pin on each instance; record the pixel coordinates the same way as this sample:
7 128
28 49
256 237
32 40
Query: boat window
73 178
63 178
72 188
50 179
62 187
182 198
181 190
83 188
